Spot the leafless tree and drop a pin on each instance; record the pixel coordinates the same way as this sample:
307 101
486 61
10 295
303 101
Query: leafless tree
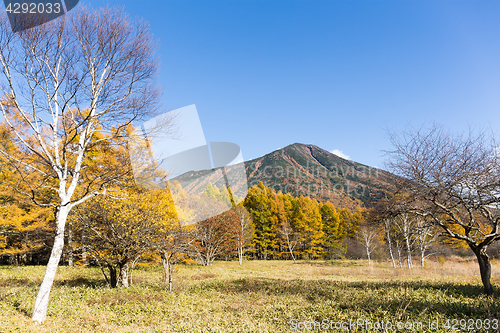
382 217
290 237
425 235
245 230
388 237
64 82
454 182
404 226
367 235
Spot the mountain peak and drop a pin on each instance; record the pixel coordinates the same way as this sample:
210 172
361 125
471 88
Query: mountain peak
308 170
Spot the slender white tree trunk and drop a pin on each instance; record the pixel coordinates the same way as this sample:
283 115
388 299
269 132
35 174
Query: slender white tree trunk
392 255
291 252
290 248
84 250
399 254
240 254
389 243
42 299
408 249
70 245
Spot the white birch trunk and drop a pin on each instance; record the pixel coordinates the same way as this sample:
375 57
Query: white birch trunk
389 242
408 249
399 254
42 299
84 250
170 278
290 248
240 254
70 245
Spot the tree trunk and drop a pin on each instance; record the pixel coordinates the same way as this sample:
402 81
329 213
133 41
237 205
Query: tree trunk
170 277
293 257
84 250
205 260
387 231
290 248
422 256
399 254
240 254
166 268
70 245
124 273
42 299
132 265
291 252
408 250
113 280
485 269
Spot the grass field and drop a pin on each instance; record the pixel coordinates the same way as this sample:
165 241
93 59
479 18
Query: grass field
260 296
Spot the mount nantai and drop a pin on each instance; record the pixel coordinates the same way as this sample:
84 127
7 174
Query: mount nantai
308 170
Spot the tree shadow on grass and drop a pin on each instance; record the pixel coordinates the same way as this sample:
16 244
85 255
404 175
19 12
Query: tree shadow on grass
17 282
332 263
93 283
74 282
448 299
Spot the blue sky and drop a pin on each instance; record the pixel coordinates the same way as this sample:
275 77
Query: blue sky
337 74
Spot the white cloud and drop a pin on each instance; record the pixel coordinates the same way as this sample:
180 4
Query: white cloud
496 151
340 154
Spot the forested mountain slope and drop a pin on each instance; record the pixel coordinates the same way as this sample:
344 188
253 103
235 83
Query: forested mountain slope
308 170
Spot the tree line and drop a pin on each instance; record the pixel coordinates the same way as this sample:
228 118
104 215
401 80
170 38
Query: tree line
135 225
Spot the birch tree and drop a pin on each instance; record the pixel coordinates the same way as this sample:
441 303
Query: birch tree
245 230
397 229
290 238
425 235
388 237
63 81
403 223
367 235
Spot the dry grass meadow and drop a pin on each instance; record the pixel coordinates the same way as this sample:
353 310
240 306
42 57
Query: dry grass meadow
259 296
